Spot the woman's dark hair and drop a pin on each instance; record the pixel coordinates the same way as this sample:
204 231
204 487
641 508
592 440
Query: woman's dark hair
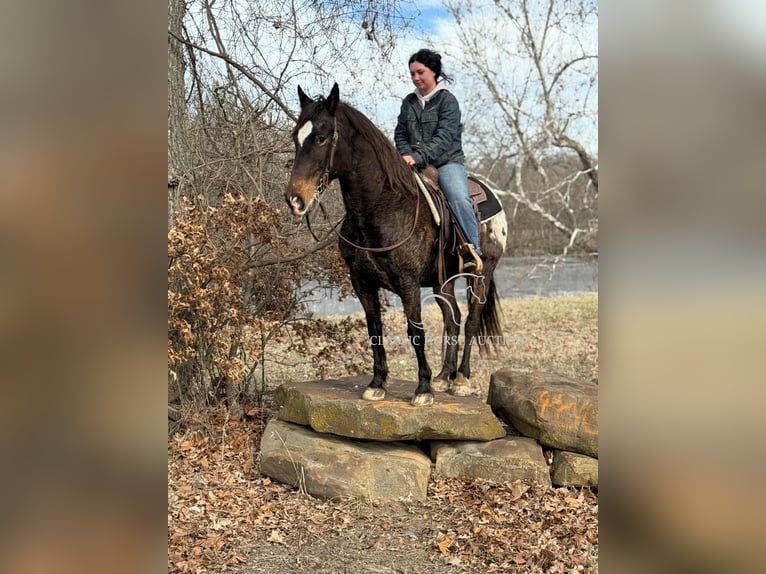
431 60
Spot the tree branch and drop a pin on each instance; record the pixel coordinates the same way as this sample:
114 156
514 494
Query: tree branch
243 70
277 260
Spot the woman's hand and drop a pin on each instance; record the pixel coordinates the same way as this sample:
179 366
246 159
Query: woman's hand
408 160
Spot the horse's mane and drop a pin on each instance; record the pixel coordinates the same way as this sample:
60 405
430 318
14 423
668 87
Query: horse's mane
398 173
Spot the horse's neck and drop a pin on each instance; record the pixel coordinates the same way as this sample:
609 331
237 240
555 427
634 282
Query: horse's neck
369 198
366 190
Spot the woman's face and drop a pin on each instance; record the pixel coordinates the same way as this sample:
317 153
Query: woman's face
423 78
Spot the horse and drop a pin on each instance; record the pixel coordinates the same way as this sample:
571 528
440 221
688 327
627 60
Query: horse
388 240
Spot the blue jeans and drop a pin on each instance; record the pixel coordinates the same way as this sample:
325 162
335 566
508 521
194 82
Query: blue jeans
453 180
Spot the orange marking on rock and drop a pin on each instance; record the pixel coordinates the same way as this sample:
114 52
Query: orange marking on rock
566 406
585 423
544 402
580 417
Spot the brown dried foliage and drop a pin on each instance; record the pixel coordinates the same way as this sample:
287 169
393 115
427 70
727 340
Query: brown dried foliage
229 297
216 297
223 516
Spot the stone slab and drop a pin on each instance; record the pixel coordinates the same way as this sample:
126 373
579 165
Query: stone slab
326 466
573 469
502 460
335 406
557 411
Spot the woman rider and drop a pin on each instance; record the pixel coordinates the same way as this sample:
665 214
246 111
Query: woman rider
428 131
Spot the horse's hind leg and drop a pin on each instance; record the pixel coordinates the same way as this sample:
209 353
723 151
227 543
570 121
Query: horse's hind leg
417 335
445 298
370 300
477 298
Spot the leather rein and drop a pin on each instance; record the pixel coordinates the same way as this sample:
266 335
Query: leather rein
324 184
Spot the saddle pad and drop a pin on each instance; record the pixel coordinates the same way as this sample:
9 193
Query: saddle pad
483 198
426 188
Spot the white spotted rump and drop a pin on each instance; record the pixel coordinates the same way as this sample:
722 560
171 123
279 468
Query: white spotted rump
497 227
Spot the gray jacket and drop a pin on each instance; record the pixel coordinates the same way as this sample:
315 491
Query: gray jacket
431 135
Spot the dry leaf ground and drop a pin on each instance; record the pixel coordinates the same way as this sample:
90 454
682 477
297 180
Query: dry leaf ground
224 517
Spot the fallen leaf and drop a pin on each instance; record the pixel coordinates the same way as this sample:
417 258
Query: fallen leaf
379 544
518 488
276 537
444 545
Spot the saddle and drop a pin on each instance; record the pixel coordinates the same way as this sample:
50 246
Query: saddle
485 205
485 202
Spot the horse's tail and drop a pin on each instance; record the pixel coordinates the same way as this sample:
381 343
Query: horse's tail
490 329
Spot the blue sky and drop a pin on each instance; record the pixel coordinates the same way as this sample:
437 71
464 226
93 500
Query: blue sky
425 13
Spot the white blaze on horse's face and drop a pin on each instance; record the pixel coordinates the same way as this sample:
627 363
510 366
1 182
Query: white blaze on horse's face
304 132
302 189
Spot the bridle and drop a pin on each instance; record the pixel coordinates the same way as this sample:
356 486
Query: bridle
324 184
324 181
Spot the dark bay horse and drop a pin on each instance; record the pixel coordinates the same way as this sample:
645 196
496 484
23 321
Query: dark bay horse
389 240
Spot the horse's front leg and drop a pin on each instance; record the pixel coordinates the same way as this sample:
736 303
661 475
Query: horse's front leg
370 300
417 335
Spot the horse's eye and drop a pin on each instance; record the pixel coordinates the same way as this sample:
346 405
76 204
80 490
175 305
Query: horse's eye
320 139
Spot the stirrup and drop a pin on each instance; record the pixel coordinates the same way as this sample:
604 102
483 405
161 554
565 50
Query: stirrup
476 266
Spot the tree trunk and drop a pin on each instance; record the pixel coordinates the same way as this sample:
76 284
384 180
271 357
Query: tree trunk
179 160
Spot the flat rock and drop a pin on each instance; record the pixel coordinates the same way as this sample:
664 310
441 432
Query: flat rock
573 469
332 467
502 460
557 411
335 406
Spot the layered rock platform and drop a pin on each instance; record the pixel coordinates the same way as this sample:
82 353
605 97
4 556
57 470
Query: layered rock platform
331 443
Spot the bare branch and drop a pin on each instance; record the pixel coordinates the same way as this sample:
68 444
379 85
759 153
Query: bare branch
292 258
241 69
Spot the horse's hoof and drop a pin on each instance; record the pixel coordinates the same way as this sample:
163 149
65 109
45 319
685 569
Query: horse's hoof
440 385
374 394
462 391
463 387
422 400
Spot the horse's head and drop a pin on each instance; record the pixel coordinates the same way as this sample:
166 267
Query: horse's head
315 136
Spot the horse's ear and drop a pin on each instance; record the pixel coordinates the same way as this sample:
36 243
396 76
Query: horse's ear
304 99
333 98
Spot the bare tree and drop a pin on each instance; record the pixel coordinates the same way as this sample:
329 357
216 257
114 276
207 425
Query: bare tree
235 262
179 160
536 61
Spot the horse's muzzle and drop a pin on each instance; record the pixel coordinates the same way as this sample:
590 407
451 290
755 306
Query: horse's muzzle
298 206
301 194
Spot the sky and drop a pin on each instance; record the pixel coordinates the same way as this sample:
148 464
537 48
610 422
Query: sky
426 12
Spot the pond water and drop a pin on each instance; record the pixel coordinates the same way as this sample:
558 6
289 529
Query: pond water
515 276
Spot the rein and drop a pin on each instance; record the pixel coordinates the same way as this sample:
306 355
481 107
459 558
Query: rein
390 247
324 183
